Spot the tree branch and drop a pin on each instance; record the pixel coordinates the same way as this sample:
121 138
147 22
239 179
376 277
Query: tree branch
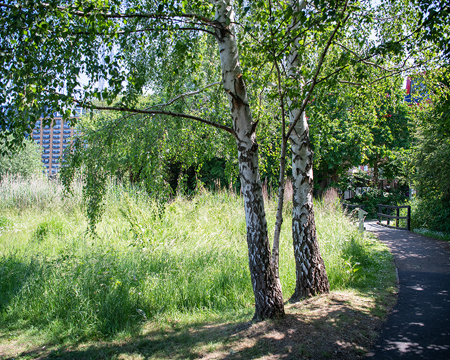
360 59
162 112
109 15
319 66
181 96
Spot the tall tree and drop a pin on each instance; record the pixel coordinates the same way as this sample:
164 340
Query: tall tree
298 45
428 157
47 46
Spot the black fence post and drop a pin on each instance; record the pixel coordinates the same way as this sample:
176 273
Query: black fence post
396 220
408 221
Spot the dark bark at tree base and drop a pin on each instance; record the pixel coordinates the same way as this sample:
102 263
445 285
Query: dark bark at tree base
311 276
266 287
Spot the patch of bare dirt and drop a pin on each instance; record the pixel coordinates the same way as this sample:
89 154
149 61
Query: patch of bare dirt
334 326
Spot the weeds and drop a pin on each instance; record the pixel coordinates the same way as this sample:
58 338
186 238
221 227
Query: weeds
183 259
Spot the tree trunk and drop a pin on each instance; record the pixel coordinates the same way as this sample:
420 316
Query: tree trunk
267 291
311 276
376 174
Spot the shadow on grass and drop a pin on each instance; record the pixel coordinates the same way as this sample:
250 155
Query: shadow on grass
328 326
13 276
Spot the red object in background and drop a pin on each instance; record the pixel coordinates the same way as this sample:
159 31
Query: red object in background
408 85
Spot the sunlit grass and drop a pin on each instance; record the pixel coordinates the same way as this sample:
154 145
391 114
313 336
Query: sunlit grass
186 259
433 234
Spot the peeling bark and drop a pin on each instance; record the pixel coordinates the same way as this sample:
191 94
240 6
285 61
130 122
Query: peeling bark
266 288
311 276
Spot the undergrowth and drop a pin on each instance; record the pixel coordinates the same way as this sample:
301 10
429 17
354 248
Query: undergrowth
187 258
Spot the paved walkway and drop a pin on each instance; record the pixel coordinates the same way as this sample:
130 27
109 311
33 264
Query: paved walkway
419 326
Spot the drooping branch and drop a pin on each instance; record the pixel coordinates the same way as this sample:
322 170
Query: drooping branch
147 29
391 74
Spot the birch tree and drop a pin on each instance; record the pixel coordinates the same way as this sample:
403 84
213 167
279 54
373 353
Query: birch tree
317 44
47 45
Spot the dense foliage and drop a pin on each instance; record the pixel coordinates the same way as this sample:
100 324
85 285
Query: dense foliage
24 162
430 162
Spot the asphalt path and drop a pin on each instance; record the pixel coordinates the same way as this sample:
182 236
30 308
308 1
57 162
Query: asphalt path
419 325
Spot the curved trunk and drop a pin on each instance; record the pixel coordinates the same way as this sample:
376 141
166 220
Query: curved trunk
267 290
311 276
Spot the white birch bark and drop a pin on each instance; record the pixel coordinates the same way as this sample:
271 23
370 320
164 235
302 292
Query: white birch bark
311 276
267 291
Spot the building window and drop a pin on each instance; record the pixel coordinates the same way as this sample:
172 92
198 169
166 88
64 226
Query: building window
55 151
45 156
46 146
46 132
66 131
66 126
46 142
56 131
46 136
56 136
46 151
56 141
36 131
36 137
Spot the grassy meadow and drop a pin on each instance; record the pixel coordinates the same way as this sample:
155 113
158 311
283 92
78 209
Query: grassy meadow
183 262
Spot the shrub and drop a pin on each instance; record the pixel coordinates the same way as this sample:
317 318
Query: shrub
430 212
23 162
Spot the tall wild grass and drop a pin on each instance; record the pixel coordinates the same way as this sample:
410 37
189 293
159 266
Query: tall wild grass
147 260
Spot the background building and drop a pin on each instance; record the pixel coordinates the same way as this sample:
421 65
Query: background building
54 139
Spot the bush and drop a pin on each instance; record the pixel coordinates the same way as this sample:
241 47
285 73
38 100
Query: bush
431 213
23 162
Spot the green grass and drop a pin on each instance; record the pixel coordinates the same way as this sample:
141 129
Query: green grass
185 260
440 235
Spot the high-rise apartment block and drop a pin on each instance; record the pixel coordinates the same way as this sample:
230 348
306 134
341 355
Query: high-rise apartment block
54 139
